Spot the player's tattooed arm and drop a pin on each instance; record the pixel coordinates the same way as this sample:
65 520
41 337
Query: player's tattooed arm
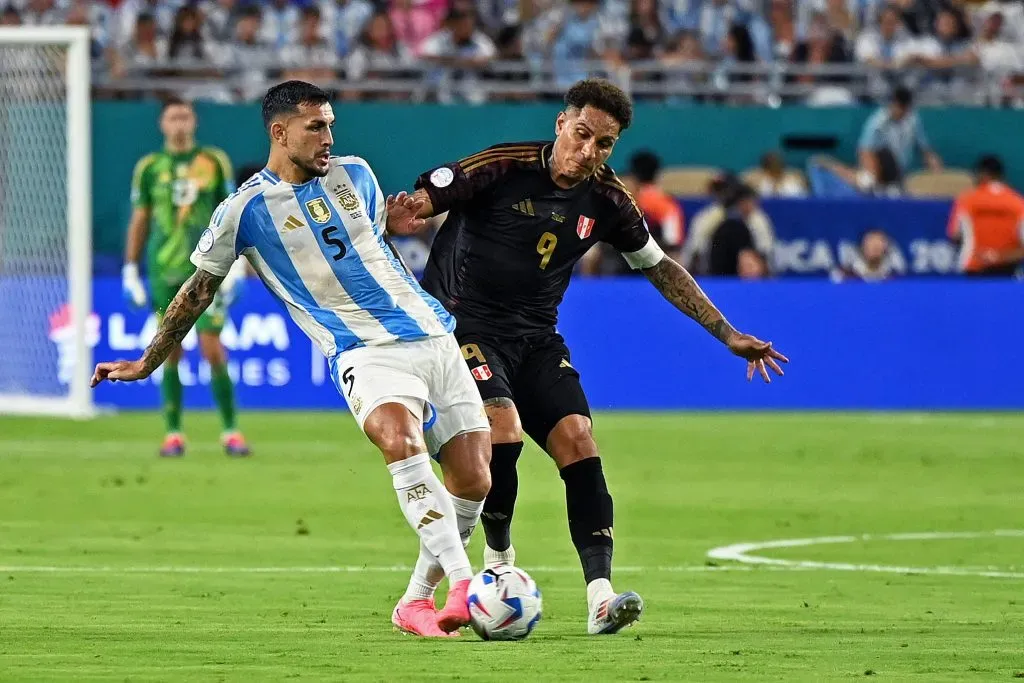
683 292
192 299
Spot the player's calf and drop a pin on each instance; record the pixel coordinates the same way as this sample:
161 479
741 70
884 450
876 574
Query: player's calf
507 445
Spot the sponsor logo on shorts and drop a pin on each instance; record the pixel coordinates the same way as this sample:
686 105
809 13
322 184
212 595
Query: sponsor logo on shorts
482 373
357 405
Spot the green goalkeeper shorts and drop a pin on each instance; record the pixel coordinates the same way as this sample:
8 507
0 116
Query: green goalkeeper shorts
162 294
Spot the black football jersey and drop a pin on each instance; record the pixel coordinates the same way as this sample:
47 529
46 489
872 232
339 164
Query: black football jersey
502 260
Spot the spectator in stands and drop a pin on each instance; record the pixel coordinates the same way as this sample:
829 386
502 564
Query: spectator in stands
574 33
379 53
344 21
885 153
160 11
186 42
773 179
646 31
993 51
946 50
663 213
685 55
897 129
696 249
783 28
463 49
732 236
248 53
311 57
42 13
988 223
414 22
824 47
84 13
279 25
219 21
874 261
735 65
886 46
918 16
146 49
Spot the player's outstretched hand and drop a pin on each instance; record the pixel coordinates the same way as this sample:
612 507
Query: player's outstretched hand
119 371
403 212
759 354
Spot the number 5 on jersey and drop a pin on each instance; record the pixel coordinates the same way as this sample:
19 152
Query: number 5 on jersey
546 247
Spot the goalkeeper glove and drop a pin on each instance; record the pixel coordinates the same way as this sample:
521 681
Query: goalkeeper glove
233 286
131 286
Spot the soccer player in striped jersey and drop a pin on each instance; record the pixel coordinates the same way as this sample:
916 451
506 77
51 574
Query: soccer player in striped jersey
520 216
312 225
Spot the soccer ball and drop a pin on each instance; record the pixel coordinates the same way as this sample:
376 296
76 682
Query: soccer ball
504 604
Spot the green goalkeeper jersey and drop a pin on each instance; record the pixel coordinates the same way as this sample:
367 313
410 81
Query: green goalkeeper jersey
181 191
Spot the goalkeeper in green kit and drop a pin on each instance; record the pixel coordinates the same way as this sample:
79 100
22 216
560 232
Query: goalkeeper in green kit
174 194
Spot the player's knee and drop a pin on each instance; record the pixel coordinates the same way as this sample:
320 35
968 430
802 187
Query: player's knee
212 350
466 461
472 480
572 440
504 420
397 443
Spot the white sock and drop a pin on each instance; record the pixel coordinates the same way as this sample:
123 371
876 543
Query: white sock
598 590
429 510
428 573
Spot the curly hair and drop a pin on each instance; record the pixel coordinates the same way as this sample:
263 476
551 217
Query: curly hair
604 95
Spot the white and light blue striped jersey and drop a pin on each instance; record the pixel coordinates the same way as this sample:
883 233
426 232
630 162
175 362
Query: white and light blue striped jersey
319 247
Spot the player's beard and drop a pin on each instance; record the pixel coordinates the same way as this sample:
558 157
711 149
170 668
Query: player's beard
310 167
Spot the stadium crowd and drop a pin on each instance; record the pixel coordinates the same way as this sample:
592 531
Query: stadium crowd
679 46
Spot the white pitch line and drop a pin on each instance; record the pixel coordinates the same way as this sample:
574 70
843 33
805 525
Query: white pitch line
352 569
742 553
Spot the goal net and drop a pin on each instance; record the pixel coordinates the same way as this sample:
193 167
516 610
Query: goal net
46 326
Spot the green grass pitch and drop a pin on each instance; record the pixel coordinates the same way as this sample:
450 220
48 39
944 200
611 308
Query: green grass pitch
118 566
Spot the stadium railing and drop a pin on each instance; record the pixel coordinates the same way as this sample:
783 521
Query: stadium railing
764 84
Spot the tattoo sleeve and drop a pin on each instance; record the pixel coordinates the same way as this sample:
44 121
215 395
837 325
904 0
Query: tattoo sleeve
683 292
192 299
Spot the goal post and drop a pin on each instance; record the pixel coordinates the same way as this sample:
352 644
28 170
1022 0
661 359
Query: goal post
46 324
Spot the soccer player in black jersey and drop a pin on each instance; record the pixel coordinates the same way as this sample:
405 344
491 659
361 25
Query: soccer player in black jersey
520 216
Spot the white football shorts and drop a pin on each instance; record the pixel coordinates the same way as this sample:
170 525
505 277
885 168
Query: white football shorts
427 376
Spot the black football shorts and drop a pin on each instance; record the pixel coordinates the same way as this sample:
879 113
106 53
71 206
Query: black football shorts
534 371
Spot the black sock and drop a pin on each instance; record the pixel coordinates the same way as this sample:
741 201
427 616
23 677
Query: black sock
589 506
501 500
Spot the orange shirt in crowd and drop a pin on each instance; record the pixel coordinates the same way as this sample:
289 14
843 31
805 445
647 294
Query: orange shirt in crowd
987 218
663 210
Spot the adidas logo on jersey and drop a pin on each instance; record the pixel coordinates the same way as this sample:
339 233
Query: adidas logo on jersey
293 223
525 206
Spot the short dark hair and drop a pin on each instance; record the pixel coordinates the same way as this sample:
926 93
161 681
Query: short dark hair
286 97
604 95
248 11
310 12
173 101
738 193
645 166
902 96
990 165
